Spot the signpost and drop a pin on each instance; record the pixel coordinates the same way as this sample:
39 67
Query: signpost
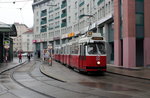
6 44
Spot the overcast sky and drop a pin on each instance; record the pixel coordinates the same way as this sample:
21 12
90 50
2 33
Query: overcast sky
20 11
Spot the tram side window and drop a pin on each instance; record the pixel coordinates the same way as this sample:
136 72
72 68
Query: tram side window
76 49
82 50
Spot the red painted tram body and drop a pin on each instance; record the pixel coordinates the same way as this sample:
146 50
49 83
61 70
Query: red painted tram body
86 53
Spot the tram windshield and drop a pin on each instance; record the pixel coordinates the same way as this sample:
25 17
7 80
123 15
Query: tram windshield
96 48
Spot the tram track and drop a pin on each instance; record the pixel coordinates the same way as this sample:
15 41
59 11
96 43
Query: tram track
63 88
12 77
14 70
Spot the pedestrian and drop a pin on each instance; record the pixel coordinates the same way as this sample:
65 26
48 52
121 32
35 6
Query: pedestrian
20 57
28 56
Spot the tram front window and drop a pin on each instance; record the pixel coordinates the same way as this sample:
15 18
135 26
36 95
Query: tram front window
101 48
91 49
96 48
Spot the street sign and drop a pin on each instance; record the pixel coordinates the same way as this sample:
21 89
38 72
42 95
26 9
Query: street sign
6 46
6 42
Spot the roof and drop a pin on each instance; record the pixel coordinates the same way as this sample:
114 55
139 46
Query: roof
8 28
30 31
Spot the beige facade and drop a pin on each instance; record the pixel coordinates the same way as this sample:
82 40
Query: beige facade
17 41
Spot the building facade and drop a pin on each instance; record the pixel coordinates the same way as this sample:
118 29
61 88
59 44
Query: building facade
17 41
27 44
123 23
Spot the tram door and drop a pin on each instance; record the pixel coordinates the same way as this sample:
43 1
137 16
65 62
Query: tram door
82 55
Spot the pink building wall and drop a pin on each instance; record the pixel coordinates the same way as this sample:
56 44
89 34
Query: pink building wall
129 34
117 43
147 33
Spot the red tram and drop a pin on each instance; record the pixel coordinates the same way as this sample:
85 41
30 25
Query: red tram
85 54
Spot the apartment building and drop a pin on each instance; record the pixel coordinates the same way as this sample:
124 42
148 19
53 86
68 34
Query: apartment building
27 44
123 23
17 41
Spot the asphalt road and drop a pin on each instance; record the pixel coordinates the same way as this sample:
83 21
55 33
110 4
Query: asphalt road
28 82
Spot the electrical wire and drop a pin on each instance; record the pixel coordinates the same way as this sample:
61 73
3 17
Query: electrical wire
15 1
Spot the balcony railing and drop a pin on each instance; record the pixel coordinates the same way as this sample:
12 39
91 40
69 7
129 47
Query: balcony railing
44 30
64 5
63 15
57 8
50 20
99 2
81 4
64 24
43 14
57 26
51 28
50 11
57 17
43 22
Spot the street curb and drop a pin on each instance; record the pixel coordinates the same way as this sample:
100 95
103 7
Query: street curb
12 67
127 75
48 75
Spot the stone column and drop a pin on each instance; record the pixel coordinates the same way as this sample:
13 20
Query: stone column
117 43
129 34
147 33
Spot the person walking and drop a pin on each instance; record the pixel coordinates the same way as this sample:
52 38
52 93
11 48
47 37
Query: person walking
20 57
28 56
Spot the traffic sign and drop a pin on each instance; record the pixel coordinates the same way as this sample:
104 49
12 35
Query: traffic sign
6 42
6 46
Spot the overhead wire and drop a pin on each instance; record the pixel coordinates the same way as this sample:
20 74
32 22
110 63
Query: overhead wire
15 1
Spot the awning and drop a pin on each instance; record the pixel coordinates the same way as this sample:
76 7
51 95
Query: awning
8 28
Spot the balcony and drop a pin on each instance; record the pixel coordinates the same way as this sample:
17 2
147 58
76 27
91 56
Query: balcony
81 4
64 24
43 14
57 26
99 2
63 15
57 17
43 22
50 20
50 11
63 5
43 30
51 28
57 8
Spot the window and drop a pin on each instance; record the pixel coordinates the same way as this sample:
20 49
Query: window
76 4
88 8
139 19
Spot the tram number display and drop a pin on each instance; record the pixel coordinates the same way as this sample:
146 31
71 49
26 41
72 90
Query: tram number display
97 38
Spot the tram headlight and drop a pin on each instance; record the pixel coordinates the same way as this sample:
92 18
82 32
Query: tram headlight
98 62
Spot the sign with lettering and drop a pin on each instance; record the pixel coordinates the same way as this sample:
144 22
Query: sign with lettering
6 42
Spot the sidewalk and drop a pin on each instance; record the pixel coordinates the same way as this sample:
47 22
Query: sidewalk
143 73
9 65
62 73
